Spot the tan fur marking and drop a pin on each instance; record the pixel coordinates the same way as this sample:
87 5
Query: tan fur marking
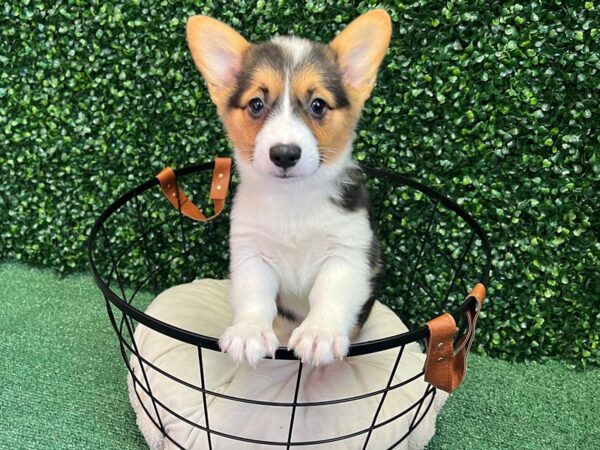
334 131
241 127
264 78
242 131
309 79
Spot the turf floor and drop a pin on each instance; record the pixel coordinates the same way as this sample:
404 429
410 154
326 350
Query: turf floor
62 382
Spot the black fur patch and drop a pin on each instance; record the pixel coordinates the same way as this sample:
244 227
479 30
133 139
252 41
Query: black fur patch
377 269
353 197
273 55
266 54
285 313
321 57
353 193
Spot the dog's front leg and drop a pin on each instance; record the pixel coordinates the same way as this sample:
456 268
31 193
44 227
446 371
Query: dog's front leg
340 290
254 289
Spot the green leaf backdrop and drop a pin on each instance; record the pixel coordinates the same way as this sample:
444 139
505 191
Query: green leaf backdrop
493 103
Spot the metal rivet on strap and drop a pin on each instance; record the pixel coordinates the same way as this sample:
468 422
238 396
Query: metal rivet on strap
221 175
174 195
440 346
218 187
440 359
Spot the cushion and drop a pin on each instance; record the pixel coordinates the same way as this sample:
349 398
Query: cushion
202 307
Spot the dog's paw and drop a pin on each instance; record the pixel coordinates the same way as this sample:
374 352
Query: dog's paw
318 344
249 342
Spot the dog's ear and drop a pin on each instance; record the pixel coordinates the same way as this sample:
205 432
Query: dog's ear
217 50
360 48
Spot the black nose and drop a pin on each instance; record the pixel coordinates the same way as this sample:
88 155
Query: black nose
285 156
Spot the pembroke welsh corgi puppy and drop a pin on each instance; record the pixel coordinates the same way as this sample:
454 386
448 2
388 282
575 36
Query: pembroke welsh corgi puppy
302 244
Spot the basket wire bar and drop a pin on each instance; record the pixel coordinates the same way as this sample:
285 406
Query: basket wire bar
428 391
158 424
336 401
137 383
148 258
389 383
450 204
131 245
204 403
422 248
458 268
295 404
457 254
145 280
136 352
180 215
114 264
144 373
185 250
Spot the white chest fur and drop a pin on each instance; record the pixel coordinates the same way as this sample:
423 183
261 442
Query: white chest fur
294 228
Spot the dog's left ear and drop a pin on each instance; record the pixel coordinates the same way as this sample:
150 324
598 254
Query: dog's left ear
360 48
217 50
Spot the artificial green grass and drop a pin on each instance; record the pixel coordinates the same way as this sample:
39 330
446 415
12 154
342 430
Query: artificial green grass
63 382
506 405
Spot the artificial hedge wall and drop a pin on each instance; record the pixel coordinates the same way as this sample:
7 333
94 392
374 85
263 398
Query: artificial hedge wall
494 104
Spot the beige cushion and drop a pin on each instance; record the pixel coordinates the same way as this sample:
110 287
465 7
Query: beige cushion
202 307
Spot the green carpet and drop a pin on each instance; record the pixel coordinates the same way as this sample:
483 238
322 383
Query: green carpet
62 382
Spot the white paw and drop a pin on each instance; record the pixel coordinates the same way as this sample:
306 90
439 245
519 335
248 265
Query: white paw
318 344
249 342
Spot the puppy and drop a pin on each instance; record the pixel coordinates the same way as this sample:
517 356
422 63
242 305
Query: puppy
302 243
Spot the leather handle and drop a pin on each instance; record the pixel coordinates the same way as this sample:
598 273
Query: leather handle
445 367
218 190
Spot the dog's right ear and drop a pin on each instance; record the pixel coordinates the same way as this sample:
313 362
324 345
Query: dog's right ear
360 48
217 50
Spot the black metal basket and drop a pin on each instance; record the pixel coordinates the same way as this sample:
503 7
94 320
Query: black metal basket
434 252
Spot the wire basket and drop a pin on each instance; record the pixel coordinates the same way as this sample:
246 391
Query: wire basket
434 252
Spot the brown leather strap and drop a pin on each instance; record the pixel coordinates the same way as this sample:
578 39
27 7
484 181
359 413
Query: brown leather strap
445 367
181 202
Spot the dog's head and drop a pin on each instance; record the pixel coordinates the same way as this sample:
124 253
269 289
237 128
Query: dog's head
290 105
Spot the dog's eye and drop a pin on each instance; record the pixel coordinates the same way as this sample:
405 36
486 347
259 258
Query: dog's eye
318 108
256 107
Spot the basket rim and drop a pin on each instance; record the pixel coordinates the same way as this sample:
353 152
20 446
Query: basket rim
212 343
